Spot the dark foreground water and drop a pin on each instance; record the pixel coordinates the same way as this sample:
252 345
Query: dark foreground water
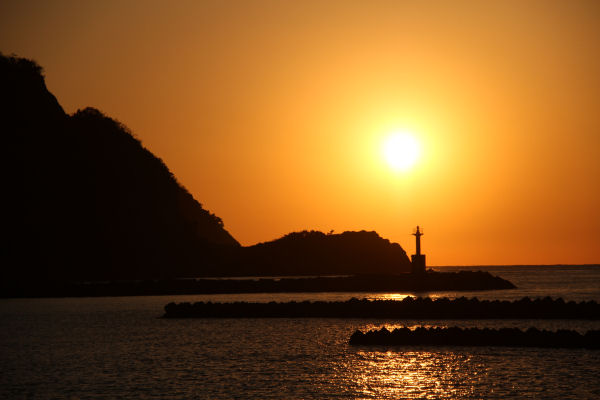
118 347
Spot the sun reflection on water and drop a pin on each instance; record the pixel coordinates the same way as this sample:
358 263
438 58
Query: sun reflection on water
401 296
418 374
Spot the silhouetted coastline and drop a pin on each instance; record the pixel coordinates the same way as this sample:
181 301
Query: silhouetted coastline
431 281
409 308
86 201
454 336
91 212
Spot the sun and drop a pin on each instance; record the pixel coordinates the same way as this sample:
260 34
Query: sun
401 151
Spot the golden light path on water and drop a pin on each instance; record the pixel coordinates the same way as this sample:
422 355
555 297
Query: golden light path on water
402 296
419 374
415 372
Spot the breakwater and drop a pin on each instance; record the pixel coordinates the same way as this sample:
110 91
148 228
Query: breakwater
409 308
429 281
454 336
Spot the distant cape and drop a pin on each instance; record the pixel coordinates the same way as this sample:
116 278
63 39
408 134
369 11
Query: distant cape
318 253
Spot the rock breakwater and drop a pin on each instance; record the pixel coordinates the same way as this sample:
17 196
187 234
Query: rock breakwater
409 308
454 336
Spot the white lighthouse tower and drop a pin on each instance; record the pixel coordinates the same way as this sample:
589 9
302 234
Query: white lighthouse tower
418 259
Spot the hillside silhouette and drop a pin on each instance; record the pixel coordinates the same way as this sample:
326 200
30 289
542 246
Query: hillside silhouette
318 253
84 200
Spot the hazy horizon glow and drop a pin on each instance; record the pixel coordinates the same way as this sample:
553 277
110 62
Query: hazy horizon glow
273 114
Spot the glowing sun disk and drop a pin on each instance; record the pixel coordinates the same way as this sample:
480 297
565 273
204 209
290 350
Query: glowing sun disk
401 151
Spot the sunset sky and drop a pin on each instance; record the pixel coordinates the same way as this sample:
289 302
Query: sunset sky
273 114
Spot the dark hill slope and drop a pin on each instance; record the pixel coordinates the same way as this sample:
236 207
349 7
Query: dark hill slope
84 200
317 253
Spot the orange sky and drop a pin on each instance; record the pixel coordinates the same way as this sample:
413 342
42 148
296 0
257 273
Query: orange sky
272 113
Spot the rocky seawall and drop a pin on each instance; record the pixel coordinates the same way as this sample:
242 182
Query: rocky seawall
430 281
454 336
409 308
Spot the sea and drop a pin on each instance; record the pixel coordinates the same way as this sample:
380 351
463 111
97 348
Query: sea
120 347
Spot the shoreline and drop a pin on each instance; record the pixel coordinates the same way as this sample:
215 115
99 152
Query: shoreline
426 282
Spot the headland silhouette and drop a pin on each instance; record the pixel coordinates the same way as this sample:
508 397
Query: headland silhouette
90 211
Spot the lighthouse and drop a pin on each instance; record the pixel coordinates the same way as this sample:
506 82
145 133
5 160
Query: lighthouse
418 259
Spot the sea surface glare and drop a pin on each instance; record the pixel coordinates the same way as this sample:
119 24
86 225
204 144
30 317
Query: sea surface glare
120 348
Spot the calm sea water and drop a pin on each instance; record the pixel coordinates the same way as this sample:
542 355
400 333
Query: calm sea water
119 347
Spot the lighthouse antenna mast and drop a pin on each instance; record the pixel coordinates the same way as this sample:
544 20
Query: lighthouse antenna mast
418 259
418 235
